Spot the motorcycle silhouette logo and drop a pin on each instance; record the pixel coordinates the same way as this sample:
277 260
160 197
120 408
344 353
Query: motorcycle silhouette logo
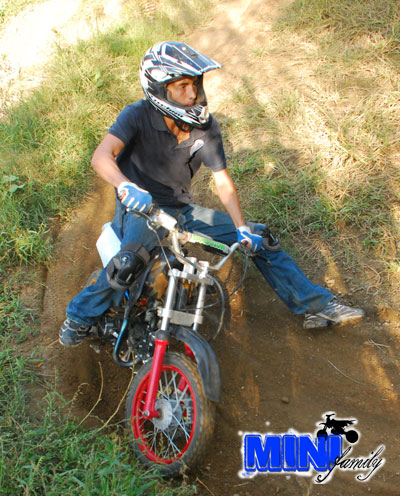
337 427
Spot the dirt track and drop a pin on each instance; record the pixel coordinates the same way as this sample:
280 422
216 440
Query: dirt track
273 371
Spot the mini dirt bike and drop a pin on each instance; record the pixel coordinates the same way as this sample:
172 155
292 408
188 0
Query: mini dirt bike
337 428
170 404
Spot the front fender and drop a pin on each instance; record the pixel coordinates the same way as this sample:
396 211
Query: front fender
207 363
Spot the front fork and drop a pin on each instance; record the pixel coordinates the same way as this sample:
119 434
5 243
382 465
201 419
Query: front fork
161 343
155 374
162 340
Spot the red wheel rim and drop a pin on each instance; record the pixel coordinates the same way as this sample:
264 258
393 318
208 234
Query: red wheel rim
165 439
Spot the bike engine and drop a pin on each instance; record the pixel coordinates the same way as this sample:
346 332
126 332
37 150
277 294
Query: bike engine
141 332
107 328
141 340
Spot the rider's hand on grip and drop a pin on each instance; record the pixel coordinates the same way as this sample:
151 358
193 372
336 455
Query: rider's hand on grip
246 237
133 197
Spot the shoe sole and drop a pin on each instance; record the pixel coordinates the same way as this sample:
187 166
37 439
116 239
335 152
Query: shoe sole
328 323
350 321
69 345
321 325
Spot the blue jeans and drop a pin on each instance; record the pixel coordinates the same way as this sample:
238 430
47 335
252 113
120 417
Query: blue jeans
278 268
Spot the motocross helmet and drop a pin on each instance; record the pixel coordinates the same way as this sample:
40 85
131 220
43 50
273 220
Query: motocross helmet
170 61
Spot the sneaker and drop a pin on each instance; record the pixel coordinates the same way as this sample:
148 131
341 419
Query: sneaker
72 333
314 321
333 313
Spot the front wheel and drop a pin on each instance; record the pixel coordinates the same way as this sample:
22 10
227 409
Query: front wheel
177 437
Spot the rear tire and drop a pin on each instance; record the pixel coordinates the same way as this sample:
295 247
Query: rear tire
177 438
93 277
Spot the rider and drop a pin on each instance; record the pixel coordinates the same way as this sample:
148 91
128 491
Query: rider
151 153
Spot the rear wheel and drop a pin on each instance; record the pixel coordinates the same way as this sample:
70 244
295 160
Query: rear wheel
93 277
177 437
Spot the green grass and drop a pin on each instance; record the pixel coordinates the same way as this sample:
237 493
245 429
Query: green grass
41 451
321 147
46 143
315 155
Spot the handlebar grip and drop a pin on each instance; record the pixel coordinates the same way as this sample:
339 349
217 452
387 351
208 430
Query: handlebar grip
158 217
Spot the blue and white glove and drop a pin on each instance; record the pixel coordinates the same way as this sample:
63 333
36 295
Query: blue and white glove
252 241
133 197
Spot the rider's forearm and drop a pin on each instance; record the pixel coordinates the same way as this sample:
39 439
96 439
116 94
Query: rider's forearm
232 206
103 160
227 193
107 169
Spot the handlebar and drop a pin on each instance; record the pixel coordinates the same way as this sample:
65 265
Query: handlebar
158 218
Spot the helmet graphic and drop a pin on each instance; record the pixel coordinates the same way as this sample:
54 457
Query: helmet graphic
170 61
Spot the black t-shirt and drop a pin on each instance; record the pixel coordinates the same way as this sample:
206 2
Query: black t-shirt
153 159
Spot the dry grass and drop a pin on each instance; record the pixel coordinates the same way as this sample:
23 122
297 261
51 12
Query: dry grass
316 128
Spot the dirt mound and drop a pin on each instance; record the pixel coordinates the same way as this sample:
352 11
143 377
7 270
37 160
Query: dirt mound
81 372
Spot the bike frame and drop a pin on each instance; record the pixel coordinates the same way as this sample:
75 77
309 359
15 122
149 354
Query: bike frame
193 272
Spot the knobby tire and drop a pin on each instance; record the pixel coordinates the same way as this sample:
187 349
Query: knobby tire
178 437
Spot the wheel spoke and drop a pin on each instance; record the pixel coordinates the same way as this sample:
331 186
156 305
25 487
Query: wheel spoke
175 386
180 400
154 440
165 439
186 434
181 426
167 385
154 437
172 380
174 447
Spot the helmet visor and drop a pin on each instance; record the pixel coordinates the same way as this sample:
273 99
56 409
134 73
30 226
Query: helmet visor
188 60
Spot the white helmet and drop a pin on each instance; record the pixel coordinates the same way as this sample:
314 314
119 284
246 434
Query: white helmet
171 61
